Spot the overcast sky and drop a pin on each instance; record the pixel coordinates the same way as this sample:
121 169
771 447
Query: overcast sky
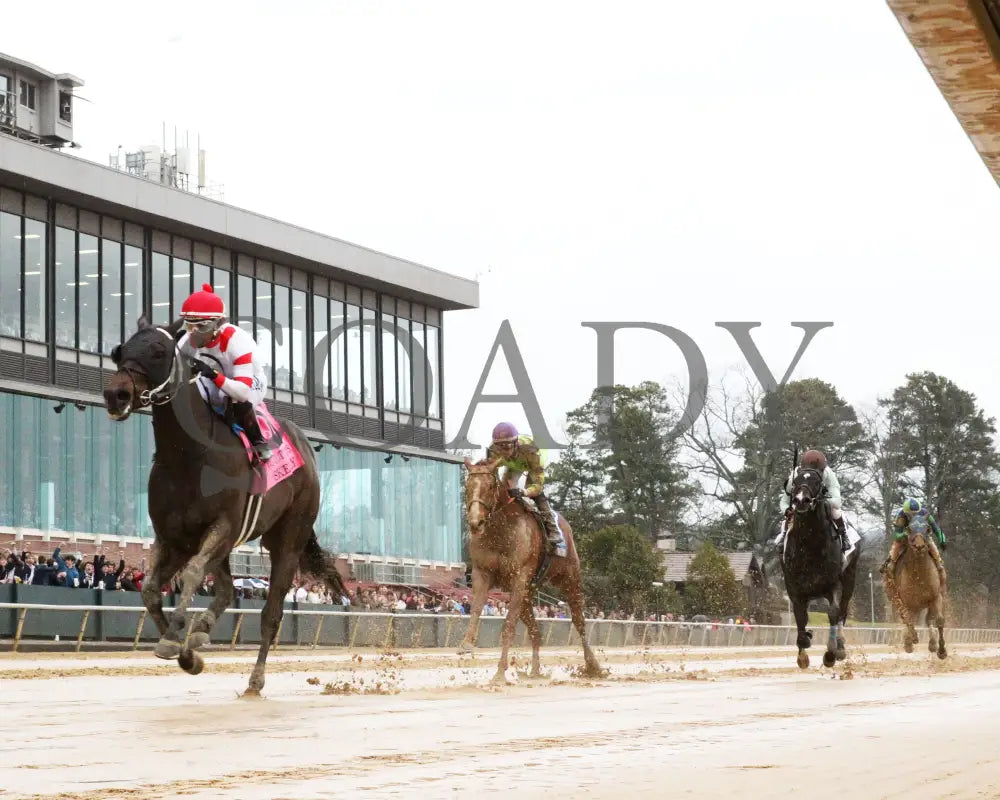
677 163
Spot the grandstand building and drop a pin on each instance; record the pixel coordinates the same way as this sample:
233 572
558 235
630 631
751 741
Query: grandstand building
354 341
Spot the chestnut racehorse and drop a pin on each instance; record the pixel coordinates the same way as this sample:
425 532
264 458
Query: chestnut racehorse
506 543
914 588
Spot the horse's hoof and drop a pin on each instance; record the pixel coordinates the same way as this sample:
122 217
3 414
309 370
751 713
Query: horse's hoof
942 653
167 649
251 693
198 640
829 659
464 650
841 654
500 680
802 660
191 662
908 647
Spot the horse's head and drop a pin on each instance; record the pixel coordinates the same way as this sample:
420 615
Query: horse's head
917 542
145 365
482 493
807 487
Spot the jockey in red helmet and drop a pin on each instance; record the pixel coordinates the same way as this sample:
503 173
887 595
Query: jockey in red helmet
815 459
519 455
225 356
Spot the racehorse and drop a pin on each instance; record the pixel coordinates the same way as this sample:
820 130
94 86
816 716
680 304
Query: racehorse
506 542
199 490
916 587
812 565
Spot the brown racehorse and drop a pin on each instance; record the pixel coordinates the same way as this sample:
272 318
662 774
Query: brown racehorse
916 587
505 547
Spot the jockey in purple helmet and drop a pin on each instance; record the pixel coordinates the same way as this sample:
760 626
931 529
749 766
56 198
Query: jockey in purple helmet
519 455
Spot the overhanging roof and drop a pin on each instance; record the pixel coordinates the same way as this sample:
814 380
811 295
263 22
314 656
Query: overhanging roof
27 66
959 44
42 170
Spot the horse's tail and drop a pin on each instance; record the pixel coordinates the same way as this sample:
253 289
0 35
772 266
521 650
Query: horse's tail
321 564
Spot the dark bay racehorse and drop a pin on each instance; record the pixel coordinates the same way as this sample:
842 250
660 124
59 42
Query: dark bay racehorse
812 564
198 493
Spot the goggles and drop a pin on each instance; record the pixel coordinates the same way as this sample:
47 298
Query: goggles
200 325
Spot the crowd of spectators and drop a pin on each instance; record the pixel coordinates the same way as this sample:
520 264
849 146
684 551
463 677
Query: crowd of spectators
70 570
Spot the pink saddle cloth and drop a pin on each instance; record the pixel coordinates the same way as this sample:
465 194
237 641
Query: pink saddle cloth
284 461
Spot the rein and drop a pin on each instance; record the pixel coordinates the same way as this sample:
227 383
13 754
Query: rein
491 508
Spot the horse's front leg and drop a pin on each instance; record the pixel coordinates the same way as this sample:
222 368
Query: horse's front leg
214 546
202 629
803 641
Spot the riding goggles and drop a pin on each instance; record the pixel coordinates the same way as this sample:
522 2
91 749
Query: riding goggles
200 325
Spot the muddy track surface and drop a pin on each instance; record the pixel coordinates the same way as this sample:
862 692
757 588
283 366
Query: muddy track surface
705 723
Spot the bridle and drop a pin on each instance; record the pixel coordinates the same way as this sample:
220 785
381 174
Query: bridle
491 507
166 391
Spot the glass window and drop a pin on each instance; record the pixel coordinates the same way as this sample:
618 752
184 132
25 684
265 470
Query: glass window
27 95
282 338
246 303
433 378
89 275
34 280
337 347
417 356
388 361
222 283
299 340
111 295
133 288
403 376
370 356
403 509
264 326
10 275
321 345
353 333
181 271
65 287
202 274
161 289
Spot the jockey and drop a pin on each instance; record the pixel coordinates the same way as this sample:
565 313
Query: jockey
238 373
831 489
519 455
915 516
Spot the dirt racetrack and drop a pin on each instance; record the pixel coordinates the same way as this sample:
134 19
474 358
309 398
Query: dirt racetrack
706 723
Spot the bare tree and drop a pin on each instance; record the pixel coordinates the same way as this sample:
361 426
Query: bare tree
885 477
726 448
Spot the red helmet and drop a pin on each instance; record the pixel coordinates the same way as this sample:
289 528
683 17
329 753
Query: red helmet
813 458
205 304
504 432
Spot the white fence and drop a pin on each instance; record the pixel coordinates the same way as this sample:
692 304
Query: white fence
312 626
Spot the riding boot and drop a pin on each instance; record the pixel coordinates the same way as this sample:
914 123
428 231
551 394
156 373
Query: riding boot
551 531
246 418
845 543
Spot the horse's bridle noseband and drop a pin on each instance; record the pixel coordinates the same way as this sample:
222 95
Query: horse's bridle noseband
157 396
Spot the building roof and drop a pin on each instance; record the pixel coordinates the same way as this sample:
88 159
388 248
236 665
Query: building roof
27 66
34 168
959 43
676 565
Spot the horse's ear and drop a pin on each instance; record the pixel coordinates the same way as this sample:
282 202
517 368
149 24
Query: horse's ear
116 354
468 464
176 328
142 323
